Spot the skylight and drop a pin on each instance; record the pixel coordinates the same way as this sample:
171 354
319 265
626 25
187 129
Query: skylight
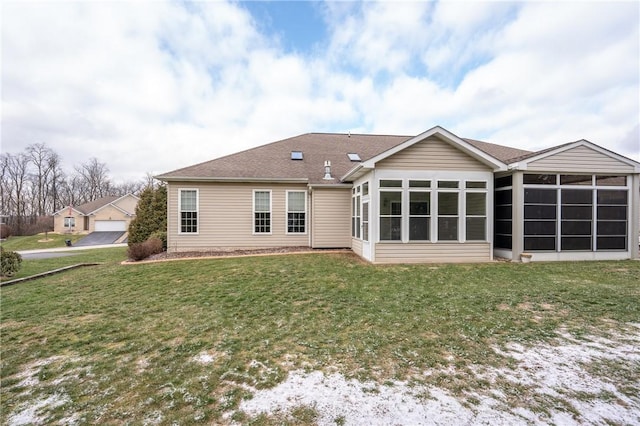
296 155
354 157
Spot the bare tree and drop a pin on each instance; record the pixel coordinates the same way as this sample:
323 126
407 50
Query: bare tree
44 162
95 179
15 171
134 187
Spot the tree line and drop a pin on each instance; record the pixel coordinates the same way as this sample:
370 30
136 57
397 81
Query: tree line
33 185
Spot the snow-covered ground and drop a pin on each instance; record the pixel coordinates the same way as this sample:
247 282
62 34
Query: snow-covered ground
565 382
558 373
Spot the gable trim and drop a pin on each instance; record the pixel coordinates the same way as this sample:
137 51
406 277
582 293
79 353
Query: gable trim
67 209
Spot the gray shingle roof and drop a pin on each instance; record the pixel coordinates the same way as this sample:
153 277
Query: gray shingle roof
273 160
87 208
506 154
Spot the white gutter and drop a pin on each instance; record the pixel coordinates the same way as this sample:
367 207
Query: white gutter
231 179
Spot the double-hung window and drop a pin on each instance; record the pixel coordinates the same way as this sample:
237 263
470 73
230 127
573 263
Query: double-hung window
448 213
390 210
296 212
419 210
261 212
188 206
476 211
69 222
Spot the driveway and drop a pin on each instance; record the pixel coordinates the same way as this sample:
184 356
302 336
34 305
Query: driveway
99 238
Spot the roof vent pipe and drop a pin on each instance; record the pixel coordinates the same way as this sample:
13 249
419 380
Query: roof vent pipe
327 170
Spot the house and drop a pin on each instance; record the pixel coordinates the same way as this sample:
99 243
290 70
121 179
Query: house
109 213
434 197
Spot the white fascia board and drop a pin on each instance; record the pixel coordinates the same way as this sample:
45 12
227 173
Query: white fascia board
466 147
355 172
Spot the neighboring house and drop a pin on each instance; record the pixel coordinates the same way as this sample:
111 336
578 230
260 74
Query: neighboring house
434 197
104 214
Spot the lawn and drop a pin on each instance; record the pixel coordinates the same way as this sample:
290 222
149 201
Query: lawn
38 241
35 266
188 341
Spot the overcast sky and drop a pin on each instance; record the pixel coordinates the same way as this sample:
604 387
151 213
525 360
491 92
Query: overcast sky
153 86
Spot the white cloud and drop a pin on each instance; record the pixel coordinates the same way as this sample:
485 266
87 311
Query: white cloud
157 86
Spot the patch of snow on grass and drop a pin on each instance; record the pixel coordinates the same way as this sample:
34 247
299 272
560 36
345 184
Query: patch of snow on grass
31 413
551 371
204 358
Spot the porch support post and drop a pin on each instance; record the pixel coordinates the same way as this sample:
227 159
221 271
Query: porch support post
634 199
517 222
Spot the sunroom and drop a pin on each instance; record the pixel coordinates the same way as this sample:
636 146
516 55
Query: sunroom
430 200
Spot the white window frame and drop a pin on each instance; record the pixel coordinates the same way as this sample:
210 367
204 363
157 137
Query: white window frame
306 214
468 191
69 222
253 216
197 211
434 190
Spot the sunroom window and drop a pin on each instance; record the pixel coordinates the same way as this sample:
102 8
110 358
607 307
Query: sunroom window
448 216
390 215
476 216
419 215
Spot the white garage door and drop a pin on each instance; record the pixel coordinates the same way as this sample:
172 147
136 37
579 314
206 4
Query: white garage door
110 225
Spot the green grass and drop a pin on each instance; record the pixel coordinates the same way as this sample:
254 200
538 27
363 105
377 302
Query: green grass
121 341
38 241
35 266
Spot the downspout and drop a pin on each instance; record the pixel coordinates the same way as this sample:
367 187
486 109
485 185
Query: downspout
311 216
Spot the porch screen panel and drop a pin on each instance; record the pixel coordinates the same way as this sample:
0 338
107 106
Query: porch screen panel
390 215
612 219
503 218
576 219
540 216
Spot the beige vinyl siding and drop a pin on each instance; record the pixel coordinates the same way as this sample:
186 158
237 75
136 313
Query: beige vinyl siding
580 159
432 153
432 253
331 218
225 217
356 246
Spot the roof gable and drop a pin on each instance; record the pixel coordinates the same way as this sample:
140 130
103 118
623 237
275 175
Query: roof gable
444 135
580 154
93 206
